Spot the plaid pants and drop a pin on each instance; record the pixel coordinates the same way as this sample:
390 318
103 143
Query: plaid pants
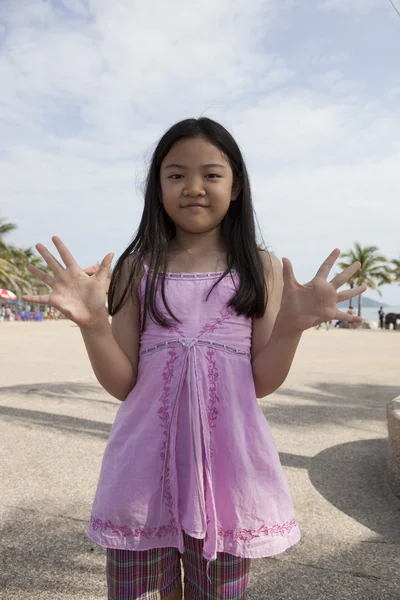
154 574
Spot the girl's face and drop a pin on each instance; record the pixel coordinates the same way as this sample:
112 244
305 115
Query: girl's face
196 185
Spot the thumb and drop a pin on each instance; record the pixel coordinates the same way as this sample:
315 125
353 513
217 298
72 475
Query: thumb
287 271
104 267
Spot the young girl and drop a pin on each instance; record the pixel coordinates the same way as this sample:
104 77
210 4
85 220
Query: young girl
204 323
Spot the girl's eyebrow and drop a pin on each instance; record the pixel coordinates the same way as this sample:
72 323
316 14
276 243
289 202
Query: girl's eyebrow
208 166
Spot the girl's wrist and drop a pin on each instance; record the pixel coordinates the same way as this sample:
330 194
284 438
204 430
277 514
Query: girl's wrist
285 325
99 324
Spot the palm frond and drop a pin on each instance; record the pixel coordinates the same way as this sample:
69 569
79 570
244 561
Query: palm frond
375 269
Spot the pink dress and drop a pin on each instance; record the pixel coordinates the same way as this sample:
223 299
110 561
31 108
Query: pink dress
190 448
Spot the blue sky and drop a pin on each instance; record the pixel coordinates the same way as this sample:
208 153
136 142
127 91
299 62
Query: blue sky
311 92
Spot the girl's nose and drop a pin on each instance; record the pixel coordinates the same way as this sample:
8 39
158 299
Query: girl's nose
194 187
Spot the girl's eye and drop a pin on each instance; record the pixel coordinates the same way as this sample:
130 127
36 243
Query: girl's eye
178 176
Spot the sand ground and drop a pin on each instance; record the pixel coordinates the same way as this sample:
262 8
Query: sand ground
329 424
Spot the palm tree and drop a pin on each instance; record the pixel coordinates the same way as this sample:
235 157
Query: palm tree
25 281
7 275
374 271
5 228
396 270
14 263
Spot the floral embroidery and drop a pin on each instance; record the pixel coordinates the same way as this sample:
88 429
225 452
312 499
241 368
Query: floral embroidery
123 530
176 329
212 378
225 314
212 411
246 535
168 501
163 413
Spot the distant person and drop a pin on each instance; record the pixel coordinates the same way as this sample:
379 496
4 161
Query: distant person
350 312
381 317
204 322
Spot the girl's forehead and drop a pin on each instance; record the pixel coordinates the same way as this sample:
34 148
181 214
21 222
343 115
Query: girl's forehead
195 150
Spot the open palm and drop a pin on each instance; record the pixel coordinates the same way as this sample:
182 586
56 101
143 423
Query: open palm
304 306
77 295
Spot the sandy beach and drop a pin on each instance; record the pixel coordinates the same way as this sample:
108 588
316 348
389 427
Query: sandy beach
329 424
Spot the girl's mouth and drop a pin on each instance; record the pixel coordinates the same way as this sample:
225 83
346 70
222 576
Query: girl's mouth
195 207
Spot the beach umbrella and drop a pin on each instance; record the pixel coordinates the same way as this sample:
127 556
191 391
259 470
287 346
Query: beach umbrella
7 295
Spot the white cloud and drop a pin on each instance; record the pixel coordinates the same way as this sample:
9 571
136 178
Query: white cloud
329 60
334 82
360 6
128 62
89 86
393 92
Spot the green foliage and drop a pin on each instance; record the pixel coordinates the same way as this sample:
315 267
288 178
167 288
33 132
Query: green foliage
14 262
374 272
396 270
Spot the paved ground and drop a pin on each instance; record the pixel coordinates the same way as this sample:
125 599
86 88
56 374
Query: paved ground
329 423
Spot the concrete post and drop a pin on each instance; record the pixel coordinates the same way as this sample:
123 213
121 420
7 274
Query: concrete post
393 420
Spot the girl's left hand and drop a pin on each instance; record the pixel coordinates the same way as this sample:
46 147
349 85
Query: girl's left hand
304 306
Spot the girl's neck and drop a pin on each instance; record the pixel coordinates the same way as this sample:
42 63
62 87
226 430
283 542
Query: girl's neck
198 244
197 252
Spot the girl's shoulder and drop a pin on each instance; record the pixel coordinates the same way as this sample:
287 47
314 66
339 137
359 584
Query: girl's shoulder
270 261
129 277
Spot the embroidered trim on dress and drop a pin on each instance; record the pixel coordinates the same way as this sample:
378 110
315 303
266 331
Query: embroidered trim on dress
246 535
176 329
176 342
225 314
209 275
212 412
122 530
213 375
163 413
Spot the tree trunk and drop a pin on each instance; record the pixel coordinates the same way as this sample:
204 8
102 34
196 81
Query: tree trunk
359 305
351 299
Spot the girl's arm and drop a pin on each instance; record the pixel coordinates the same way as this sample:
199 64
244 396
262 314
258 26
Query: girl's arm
274 343
292 308
114 350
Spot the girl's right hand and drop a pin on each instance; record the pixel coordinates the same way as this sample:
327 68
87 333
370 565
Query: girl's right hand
78 296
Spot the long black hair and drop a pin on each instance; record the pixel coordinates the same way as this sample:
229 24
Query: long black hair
156 230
